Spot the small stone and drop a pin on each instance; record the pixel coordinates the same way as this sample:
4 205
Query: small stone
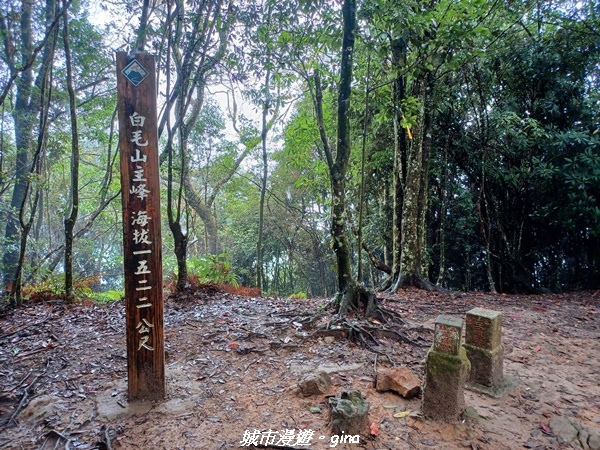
562 427
471 413
329 339
400 380
594 440
315 384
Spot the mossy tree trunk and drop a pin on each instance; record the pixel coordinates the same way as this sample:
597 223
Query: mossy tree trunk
350 294
29 105
415 198
400 151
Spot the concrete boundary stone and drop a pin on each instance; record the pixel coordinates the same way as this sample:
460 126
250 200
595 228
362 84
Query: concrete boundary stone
483 343
446 371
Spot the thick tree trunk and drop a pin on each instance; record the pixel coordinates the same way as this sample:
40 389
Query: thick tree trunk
411 251
413 228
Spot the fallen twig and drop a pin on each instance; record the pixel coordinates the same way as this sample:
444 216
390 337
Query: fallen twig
253 362
108 440
60 436
22 403
395 335
21 382
12 333
5 443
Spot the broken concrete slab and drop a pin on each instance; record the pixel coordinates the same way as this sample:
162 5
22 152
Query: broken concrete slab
573 432
329 367
563 428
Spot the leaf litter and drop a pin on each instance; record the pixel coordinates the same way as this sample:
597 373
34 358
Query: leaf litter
233 364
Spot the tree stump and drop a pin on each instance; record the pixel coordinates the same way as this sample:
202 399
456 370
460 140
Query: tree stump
349 414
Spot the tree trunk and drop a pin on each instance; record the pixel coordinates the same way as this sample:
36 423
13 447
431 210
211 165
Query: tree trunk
341 246
413 228
72 218
24 114
361 204
263 185
443 207
410 265
181 240
400 151
27 107
205 212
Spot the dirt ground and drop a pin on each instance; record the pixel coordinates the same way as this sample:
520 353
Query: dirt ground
233 366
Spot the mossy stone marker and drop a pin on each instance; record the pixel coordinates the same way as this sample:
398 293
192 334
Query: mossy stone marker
349 414
446 371
483 343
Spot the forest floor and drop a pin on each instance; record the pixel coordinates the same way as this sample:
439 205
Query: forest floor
233 365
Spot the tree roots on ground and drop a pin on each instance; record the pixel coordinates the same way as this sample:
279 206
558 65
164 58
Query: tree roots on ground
360 318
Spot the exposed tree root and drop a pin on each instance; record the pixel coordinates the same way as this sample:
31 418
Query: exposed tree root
373 320
364 332
417 281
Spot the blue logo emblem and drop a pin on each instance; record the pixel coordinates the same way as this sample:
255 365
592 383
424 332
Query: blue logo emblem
135 72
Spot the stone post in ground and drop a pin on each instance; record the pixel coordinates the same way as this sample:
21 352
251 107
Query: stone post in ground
350 415
446 371
483 343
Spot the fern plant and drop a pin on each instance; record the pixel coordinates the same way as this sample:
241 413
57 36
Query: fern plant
213 269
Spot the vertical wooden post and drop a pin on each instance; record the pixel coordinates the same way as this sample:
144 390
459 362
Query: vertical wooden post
138 140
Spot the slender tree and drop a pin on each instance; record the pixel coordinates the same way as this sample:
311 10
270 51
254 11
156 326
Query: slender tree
71 219
30 104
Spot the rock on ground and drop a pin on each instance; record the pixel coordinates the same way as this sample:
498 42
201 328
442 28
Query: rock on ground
400 380
315 384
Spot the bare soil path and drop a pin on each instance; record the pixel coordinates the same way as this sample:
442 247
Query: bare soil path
233 365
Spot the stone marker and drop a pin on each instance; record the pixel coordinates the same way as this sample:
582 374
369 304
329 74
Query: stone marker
483 343
448 334
349 414
446 371
400 380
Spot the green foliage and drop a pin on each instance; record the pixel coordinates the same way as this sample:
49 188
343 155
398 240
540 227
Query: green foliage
53 289
514 151
108 296
213 269
298 295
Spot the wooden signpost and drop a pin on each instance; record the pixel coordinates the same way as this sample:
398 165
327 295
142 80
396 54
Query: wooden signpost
138 140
